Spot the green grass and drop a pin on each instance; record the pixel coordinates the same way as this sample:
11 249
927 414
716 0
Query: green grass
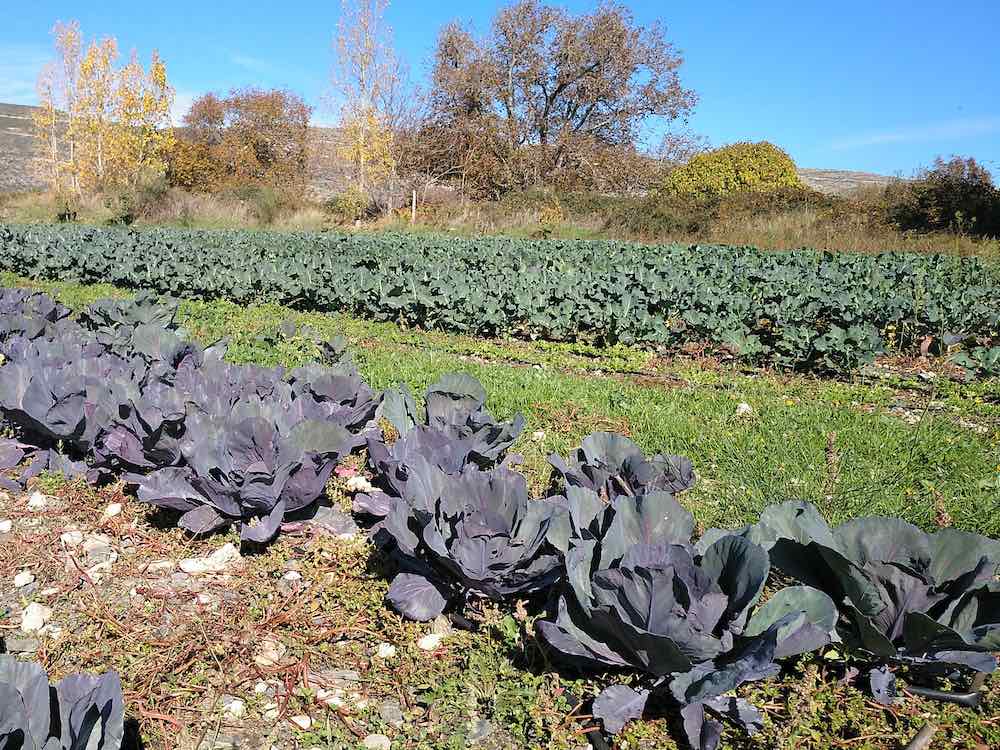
845 445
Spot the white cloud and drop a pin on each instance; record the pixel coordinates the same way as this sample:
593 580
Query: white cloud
19 68
946 130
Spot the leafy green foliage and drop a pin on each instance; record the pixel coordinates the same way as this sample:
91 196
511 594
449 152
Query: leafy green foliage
802 310
738 168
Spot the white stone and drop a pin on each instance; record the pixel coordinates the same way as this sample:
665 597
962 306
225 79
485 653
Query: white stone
23 578
261 687
271 711
34 617
377 742
37 501
743 409
217 562
97 572
333 698
5 526
113 510
302 722
441 625
386 651
538 436
233 707
97 542
160 566
292 575
359 484
270 652
72 538
430 641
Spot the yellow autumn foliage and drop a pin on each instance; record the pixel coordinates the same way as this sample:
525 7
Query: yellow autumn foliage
99 126
738 168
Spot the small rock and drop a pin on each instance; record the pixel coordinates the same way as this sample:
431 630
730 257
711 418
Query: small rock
481 729
391 713
335 521
233 707
386 651
23 578
430 641
289 583
271 711
72 538
34 617
743 409
377 742
262 688
98 550
270 652
37 501
160 566
302 722
217 562
17 645
113 510
441 625
538 436
5 526
52 631
48 592
333 698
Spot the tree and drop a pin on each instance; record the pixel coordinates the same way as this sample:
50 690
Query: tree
549 95
369 82
143 135
957 195
99 126
57 85
250 137
92 125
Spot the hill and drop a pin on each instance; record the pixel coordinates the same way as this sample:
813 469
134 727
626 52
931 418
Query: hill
16 144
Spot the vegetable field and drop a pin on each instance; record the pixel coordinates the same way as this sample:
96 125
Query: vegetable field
599 577
802 310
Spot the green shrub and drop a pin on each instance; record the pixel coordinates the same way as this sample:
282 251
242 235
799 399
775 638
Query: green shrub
953 196
739 168
349 206
126 204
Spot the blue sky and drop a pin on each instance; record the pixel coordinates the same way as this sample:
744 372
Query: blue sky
879 85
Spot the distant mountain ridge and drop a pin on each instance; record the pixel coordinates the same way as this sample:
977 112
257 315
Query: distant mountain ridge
16 146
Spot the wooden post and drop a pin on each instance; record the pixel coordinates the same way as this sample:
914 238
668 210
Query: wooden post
413 208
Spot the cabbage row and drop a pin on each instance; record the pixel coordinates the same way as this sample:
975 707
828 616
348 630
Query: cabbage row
801 310
607 557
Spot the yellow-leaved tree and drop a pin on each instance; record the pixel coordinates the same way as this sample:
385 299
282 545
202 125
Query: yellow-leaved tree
99 126
92 125
368 82
142 112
